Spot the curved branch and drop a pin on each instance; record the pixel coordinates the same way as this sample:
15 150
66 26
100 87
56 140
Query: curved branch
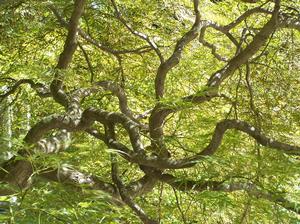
221 128
138 156
161 111
244 16
125 196
258 41
210 46
40 88
67 175
243 126
88 117
222 29
119 92
49 123
174 59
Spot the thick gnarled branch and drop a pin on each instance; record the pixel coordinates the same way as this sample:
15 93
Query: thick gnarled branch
66 56
223 186
71 41
138 156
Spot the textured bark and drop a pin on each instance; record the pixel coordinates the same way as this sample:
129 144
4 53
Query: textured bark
65 57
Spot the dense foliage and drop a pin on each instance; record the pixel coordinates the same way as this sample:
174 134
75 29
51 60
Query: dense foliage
166 111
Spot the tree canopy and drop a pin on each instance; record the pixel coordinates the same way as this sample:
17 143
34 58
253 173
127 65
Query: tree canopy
167 111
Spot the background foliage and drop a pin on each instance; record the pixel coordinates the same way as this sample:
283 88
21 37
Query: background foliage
264 92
